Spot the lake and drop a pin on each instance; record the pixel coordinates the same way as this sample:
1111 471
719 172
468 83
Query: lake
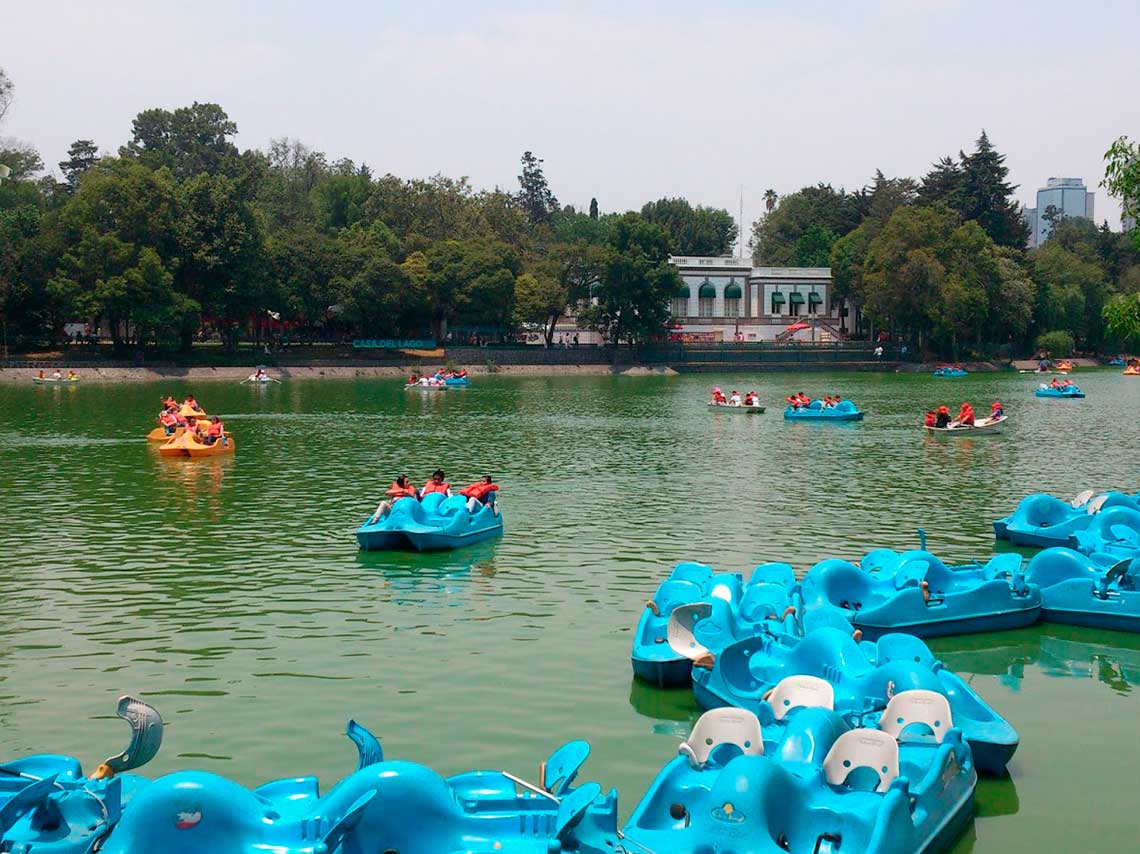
230 592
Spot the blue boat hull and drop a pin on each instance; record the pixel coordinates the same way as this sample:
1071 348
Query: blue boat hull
1042 392
1013 619
436 523
670 673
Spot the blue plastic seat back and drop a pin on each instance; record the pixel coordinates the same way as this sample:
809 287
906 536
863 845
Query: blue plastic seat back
780 574
894 677
1043 511
839 583
883 562
827 617
696 573
573 807
845 406
452 505
1004 565
430 503
809 734
559 771
828 653
745 668
673 594
897 646
406 511
763 601
1056 565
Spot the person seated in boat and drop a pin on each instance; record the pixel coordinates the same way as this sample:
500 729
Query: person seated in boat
1054 383
436 484
1067 383
942 419
215 431
751 399
479 493
717 395
259 375
169 421
56 375
41 375
192 426
463 374
930 420
735 399
401 488
996 409
71 376
966 414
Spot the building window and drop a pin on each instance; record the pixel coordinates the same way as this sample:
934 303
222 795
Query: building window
680 306
732 297
706 299
777 302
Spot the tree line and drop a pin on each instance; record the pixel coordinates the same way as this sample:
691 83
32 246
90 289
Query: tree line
941 263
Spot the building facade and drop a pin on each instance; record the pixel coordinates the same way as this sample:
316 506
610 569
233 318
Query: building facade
1068 196
728 299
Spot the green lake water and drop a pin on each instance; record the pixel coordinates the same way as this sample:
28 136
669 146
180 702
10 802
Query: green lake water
230 593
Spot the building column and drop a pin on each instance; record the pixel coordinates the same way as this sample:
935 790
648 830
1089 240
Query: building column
718 301
694 301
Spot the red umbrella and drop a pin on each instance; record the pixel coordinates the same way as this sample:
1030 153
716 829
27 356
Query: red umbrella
796 327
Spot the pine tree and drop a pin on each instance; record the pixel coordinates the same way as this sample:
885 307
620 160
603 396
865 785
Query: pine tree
81 156
593 208
988 199
535 196
943 183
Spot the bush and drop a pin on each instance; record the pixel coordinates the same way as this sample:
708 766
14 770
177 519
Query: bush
1056 345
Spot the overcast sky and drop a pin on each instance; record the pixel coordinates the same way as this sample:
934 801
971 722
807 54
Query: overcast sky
626 104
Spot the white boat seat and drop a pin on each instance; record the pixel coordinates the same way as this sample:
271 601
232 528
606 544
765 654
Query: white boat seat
681 633
793 692
722 591
722 726
1083 498
917 707
863 748
1094 506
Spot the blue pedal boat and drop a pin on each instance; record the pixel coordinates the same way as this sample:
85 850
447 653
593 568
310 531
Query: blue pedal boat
653 660
1042 520
435 523
1114 532
864 676
822 787
845 410
1069 391
48 805
382 806
1087 591
768 604
924 597
950 372
457 381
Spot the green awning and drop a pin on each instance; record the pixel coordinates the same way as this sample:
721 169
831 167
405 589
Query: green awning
683 291
707 291
815 299
777 298
733 292
796 298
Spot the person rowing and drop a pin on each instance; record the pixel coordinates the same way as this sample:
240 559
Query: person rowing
996 409
942 419
401 488
966 415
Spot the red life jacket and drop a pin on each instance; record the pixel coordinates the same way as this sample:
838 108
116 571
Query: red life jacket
397 492
478 490
929 422
431 486
215 429
167 419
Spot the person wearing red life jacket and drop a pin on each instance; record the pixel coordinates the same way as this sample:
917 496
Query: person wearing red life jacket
996 409
215 431
929 420
436 484
966 414
479 493
401 488
942 417
169 421
192 426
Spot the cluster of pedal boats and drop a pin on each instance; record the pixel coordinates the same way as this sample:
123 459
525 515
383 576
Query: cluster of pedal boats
180 442
796 775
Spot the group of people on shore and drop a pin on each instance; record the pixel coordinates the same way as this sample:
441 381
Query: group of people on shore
941 418
750 398
440 377
190 418
799 400
481 492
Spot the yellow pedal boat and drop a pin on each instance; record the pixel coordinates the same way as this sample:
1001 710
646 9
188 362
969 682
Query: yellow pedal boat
189 445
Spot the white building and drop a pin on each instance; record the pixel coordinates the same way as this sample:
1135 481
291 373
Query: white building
1067 196
727 299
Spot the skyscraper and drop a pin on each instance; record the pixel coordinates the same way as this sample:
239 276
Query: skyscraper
1060 197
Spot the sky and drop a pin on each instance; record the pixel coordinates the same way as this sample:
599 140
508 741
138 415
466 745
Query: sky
625 101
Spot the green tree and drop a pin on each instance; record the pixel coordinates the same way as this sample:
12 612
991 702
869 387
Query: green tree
1071 293
81 156
1013 305
636 283
775 235
7 93
1122 179
593 208
987 197
1122 320
813 249
469 282
943 184
189 141
540 298
22 159
1058 344
692 231
535 196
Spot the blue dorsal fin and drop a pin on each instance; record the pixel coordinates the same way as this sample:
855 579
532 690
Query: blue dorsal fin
28 798
368 750
347 822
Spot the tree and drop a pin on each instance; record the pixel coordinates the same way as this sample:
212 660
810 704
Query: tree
988 198
7 95
775 235
813 249
1122 320
534 194
692 231
770 199
470 281
540 298
1012 309
636 284
24 161
189 141
1069 291
593 208
943 183
1122 179
1058 344
81 156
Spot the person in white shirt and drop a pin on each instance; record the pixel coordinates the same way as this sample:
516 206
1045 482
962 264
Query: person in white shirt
735 399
